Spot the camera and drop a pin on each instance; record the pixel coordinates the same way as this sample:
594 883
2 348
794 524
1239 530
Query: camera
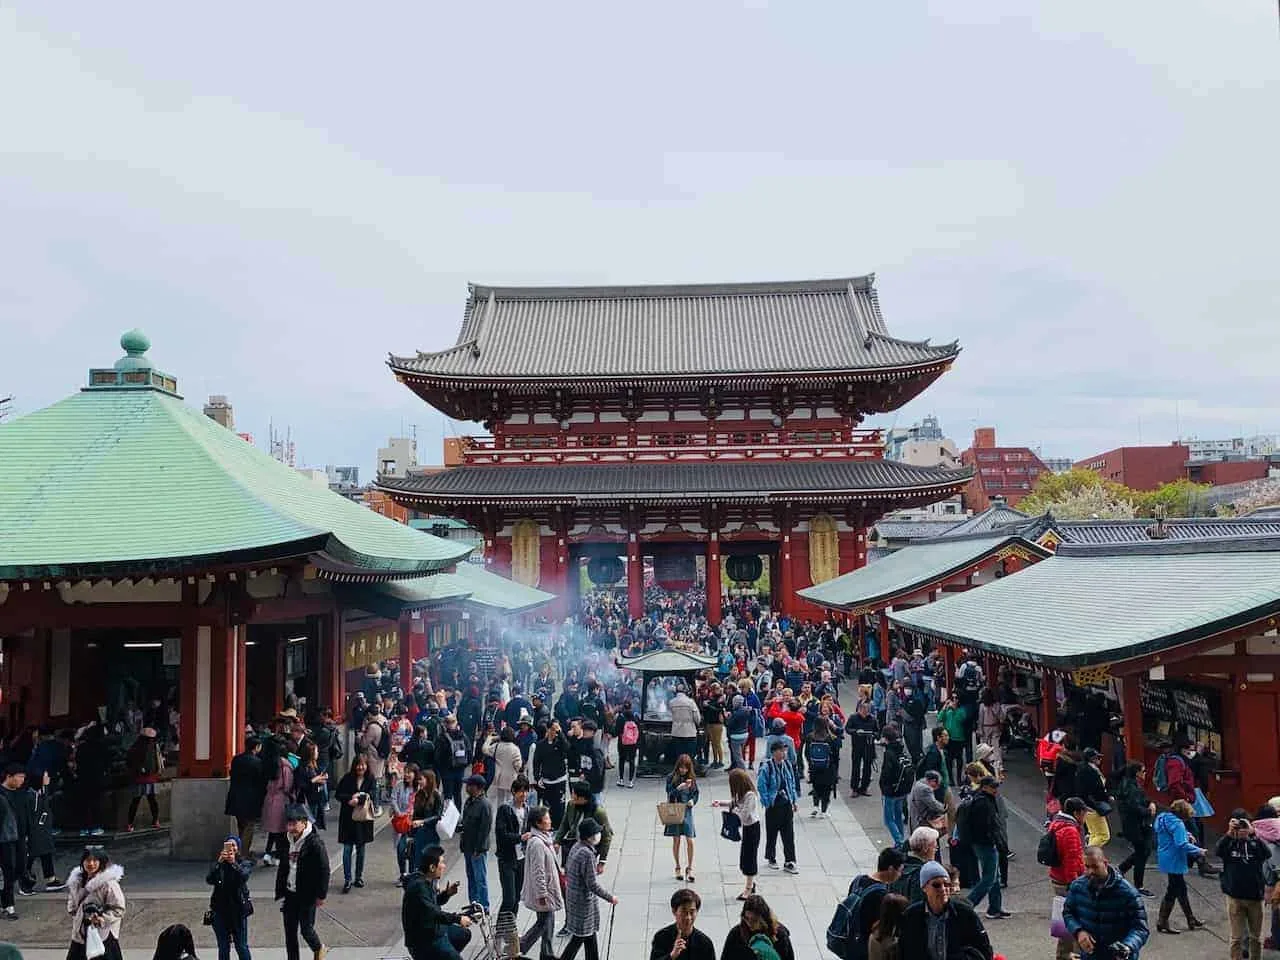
1121 951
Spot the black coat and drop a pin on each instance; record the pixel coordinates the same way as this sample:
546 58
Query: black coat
983 824
551 760
477 821
230 882
508 830
247 787
422 914
40 841
697 947
312 880
349 831
964 929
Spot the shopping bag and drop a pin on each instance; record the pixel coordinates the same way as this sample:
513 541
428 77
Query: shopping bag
449 819
1202 807
1058 926
93 945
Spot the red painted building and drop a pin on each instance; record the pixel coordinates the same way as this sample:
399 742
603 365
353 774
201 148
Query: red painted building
999 473
1222 472
1140 468
690 424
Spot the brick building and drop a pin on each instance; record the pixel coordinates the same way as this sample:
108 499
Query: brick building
999 472
1140 468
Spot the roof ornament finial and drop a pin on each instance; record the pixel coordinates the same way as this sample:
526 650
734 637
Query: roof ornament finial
135 344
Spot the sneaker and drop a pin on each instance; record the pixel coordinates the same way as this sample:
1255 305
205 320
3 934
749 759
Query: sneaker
790 867
26 891
10 914
631 785
268 860
562 932
621 783
357 882
96 832
813 814
53 885
999 915
1145 892
773 864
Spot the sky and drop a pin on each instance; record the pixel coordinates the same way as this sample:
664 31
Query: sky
1083 194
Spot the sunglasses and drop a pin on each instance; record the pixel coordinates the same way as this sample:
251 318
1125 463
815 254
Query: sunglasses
938 884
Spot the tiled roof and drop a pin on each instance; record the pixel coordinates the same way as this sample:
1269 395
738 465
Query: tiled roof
468 583
1091 605
135 482
909 570
658 481
1192 528
992 518
655 331
912 529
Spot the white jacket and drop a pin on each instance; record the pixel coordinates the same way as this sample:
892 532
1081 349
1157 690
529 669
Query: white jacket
104 891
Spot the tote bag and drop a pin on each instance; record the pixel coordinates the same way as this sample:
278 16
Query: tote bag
730 826
449 819
1202 807
1058 926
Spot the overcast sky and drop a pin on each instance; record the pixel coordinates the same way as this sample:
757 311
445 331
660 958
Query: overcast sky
1084 193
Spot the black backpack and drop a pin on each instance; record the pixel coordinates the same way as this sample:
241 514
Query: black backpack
845 936
906 775
1047 850
384 745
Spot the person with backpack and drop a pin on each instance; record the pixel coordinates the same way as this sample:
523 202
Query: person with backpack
626 729
453 757
738 729
897 775
375 744
1061 849
822 758
855 917
1175 775
146 762
758 935
941 919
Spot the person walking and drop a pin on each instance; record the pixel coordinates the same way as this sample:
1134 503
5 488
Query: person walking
475 827
745 802
511 824
738 729
682 940
1104 913
1244 859
551 770
246 792
984 833
757 931
302 883
540 890
430 931
823 762
991 717
626 730
428 808
776 784
15 828
897 776
279 791
506 763
1137 814
453 756
941 926
1068 848
953 718
40 841
229 903
1173 848
403 788
355 794
95 898
682 787
924 809
145 762
861 728
582 912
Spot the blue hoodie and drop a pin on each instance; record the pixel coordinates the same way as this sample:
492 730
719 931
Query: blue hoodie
1175 845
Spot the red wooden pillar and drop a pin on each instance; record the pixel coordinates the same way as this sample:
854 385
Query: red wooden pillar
635 578
279 673
329 628
949 668
990 670
187 703
211 720
884 636
786 586
1131 701
225 722
1049 702
713 580
404 630
242 685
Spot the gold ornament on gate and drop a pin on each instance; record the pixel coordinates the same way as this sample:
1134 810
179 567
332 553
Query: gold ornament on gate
824 549
526 552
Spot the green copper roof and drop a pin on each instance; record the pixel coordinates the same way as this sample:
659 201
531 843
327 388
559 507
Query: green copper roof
467 583
1090 605
131 481
909 570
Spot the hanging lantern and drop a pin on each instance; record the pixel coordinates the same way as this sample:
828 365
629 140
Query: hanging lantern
674 572
744 568
604 571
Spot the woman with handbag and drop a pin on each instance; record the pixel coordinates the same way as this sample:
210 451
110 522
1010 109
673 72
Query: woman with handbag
355 794
507 763
402 791
229 904
682 787
428 807
744 803
96 904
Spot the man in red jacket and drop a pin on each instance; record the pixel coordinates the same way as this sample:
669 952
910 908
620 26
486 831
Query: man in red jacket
1065 827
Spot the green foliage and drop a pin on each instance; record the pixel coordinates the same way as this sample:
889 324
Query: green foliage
1179 498
1053 490
1072 495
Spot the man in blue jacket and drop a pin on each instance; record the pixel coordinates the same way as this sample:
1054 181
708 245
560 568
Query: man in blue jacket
1104 912
776 784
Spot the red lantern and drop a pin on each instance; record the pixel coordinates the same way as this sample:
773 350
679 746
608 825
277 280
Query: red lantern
675 571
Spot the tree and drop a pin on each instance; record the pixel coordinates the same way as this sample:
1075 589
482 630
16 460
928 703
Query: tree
1093 502
1053 490
1178 498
